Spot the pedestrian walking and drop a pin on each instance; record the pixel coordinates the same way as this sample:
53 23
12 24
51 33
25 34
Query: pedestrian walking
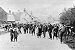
11 34
15 34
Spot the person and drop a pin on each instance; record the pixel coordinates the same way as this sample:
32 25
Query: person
44 31
19 28
30 28
68 28
11 34
62 33
6 27
39 31
15 34
27 27
24 29
33 30
50 27
55 31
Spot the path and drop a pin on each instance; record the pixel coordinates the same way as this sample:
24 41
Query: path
29 42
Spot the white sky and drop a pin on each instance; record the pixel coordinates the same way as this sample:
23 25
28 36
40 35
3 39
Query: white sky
38 7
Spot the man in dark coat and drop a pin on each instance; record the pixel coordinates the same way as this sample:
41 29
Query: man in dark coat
39 31
27 27
15 34
50 27
11 34
30 28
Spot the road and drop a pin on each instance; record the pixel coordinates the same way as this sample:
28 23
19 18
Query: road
29 42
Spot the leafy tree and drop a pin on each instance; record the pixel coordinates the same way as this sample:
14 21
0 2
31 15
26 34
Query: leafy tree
67 17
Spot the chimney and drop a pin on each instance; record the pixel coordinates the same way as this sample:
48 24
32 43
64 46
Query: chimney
9 11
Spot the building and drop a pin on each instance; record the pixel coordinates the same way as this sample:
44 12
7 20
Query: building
3 16
10 17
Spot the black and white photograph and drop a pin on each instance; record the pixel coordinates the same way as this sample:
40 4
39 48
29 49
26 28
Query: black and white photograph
37 24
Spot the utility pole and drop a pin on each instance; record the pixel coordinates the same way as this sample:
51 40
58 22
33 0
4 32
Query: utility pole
28 14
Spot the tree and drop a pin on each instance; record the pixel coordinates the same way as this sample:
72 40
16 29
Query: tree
67 17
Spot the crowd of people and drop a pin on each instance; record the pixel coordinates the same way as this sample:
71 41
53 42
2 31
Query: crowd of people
54 31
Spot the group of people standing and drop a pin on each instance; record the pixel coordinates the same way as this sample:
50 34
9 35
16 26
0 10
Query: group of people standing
53 30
